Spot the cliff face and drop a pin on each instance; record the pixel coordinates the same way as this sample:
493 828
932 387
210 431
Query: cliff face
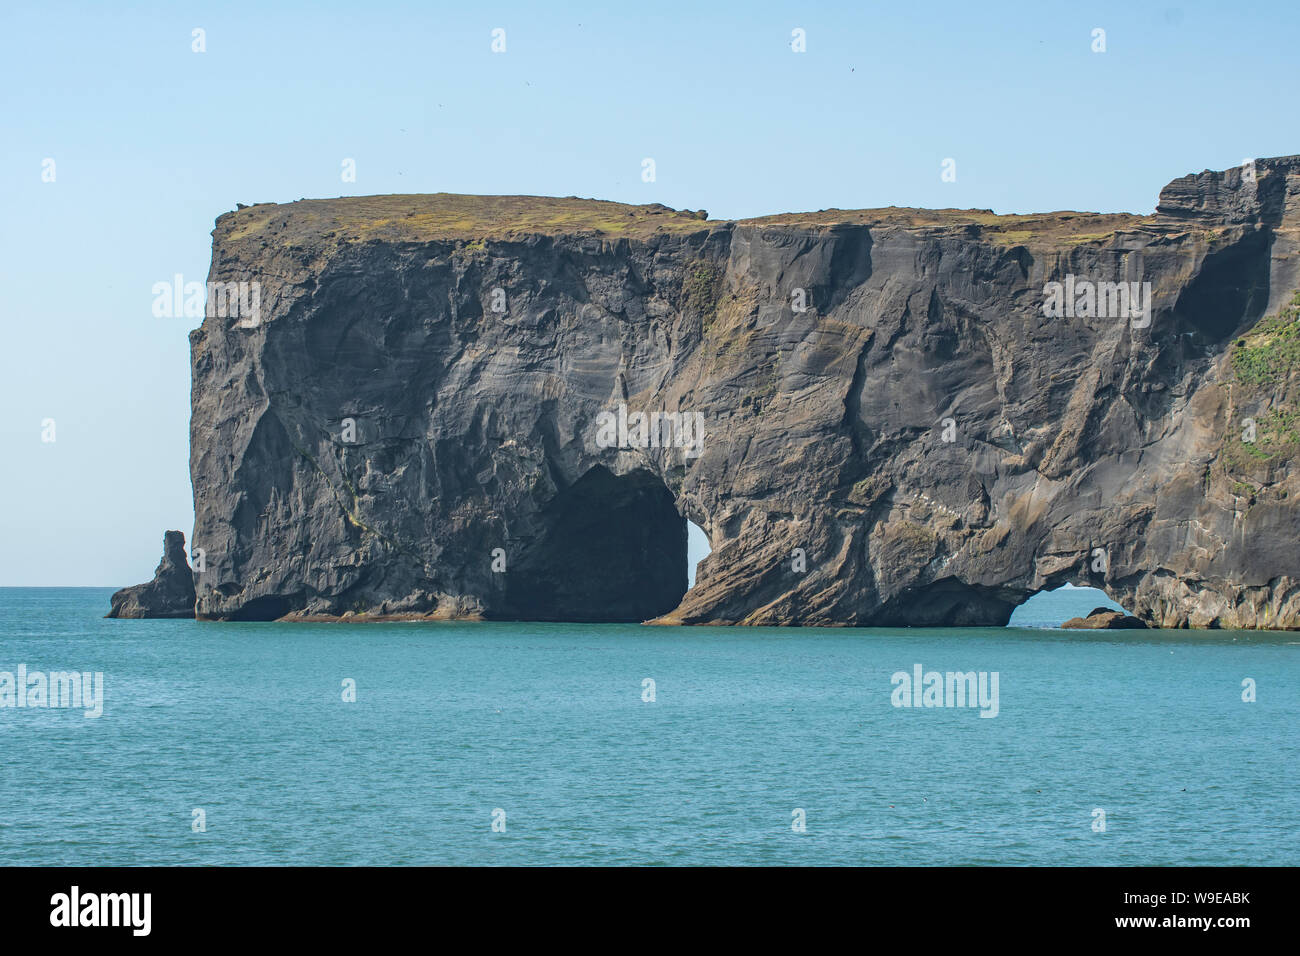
435 411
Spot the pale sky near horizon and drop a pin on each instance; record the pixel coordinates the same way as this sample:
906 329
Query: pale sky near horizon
151 141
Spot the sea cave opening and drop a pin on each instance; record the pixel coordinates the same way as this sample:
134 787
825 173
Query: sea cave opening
1055 607
613 549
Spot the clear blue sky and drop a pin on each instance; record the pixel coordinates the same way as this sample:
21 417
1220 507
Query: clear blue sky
152 142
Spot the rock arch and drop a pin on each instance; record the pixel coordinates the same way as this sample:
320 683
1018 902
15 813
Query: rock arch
933 444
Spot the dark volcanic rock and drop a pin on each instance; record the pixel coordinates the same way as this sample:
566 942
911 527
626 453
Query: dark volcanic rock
895 430
169 594
1105 618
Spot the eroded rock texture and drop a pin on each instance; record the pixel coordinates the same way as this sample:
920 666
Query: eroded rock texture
418 405
169 594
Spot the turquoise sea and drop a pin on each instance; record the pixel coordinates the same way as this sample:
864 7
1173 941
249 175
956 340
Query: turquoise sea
547 723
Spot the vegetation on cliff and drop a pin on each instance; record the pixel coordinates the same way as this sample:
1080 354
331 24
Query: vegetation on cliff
1263 428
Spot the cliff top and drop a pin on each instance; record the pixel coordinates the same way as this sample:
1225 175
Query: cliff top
426 217
1065 226
431 216
1199 201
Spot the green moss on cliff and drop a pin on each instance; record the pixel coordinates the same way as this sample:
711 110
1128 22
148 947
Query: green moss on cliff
1270 353
1277 435
1265 399
700 289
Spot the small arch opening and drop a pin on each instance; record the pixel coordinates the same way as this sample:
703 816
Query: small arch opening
697 549
1053 608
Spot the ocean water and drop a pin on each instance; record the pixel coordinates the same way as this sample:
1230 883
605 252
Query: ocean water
548 723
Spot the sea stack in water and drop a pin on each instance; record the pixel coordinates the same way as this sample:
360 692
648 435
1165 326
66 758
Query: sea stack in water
169 594
490 406
1105 619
